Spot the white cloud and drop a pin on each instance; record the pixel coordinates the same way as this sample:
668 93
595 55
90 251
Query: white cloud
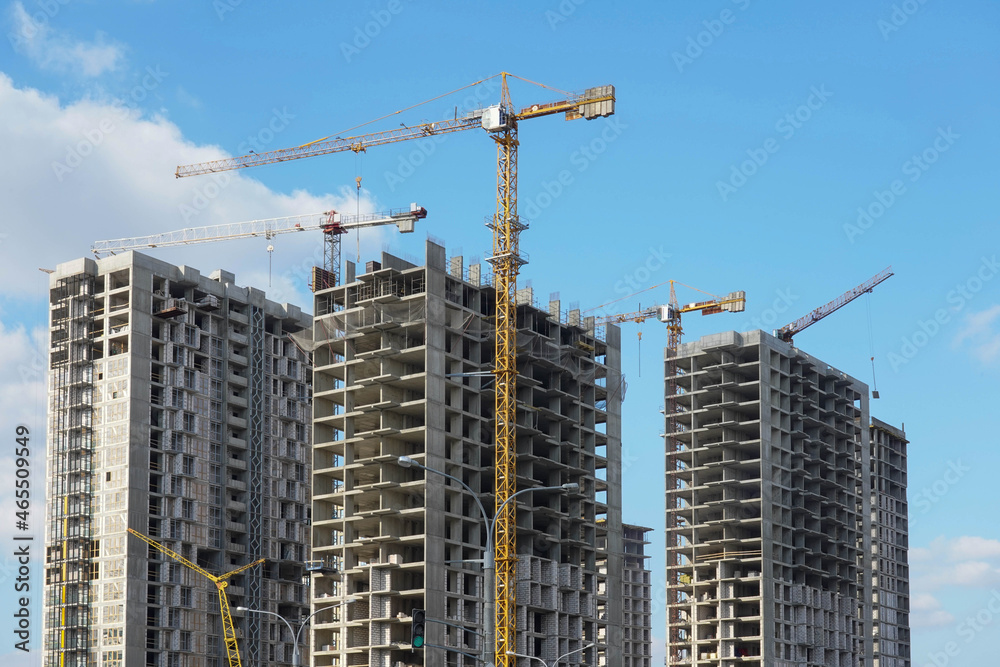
77 172
944 573
980 334
968 547
22 403
973 573
187 98
967 561
659 651
926 612
34 37
22 370
92 170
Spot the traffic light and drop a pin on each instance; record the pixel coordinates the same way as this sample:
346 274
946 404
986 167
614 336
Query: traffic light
417 629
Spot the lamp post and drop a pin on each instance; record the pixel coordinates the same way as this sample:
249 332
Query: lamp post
556 661
489 555
296 655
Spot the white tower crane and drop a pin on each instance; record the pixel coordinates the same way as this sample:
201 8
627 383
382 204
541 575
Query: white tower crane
332 224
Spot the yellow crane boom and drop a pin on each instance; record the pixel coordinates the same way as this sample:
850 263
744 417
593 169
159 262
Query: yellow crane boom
500 120
232 649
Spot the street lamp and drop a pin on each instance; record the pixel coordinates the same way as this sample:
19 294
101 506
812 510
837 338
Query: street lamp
296 656
554 662
489 556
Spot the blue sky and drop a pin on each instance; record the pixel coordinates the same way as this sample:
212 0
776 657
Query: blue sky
788 149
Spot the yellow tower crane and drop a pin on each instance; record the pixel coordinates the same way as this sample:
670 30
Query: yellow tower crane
500 121
232 650
734 302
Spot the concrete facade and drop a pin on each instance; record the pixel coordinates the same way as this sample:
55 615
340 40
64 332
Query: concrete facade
770 489
403 355
637 598
178 408
890 542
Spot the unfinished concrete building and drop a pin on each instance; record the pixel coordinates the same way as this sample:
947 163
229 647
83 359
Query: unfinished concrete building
403 355
637 598
768 493
890 541
178 408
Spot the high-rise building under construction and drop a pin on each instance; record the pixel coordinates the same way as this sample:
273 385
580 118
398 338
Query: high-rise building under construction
178 407
772 486
637 599
403 368
890 543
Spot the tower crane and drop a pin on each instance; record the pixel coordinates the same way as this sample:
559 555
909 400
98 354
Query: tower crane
501 122
786 332
734 302
332 224
232 650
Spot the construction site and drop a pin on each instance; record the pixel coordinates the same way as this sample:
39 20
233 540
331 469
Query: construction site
402 370
428 469
178 408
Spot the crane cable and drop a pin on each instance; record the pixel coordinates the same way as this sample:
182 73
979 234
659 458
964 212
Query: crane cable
871 345
638 351
359 174
412 106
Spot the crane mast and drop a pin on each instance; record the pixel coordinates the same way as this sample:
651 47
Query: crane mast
506 262
501 122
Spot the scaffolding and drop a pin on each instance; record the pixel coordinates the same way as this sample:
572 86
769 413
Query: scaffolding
255 493
70 564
